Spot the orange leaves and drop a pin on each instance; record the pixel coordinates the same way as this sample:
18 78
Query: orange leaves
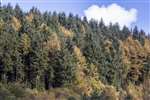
16 23
30 17
67 33
1 24
53 43
134 53
25 43
86 75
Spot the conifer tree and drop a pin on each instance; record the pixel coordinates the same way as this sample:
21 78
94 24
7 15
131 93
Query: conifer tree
135 33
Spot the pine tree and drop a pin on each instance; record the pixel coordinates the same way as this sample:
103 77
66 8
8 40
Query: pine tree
135 33
126 32
141 37
62 18
18 12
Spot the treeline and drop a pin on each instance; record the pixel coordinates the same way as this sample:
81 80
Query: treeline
35 52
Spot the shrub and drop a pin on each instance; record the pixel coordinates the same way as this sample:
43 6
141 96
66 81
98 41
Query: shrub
109 93
5 94
17 90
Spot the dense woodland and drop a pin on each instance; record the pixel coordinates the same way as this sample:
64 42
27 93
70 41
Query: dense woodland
49 51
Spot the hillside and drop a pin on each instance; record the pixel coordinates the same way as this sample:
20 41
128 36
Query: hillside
52 56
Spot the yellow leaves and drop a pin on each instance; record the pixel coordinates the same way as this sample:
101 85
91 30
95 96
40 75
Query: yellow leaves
16 23
25 43
124 53
109 93
134 53
30 17
108 43
77 51
67 33
81 81
79 55
135 92
94 81
132 46
83 85
82 29
108 46
96 84
86 75
53 43
1 24
80 78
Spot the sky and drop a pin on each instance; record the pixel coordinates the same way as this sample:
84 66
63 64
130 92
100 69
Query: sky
124 12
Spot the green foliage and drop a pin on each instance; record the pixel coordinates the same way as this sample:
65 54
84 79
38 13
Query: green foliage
126 32
5 94
95 95
12 91
146 68
35 52
64 64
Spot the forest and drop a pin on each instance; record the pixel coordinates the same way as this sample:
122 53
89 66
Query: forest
54 56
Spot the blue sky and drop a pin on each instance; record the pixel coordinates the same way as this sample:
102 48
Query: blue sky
79 7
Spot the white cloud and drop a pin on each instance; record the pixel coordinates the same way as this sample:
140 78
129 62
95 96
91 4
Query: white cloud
112 13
